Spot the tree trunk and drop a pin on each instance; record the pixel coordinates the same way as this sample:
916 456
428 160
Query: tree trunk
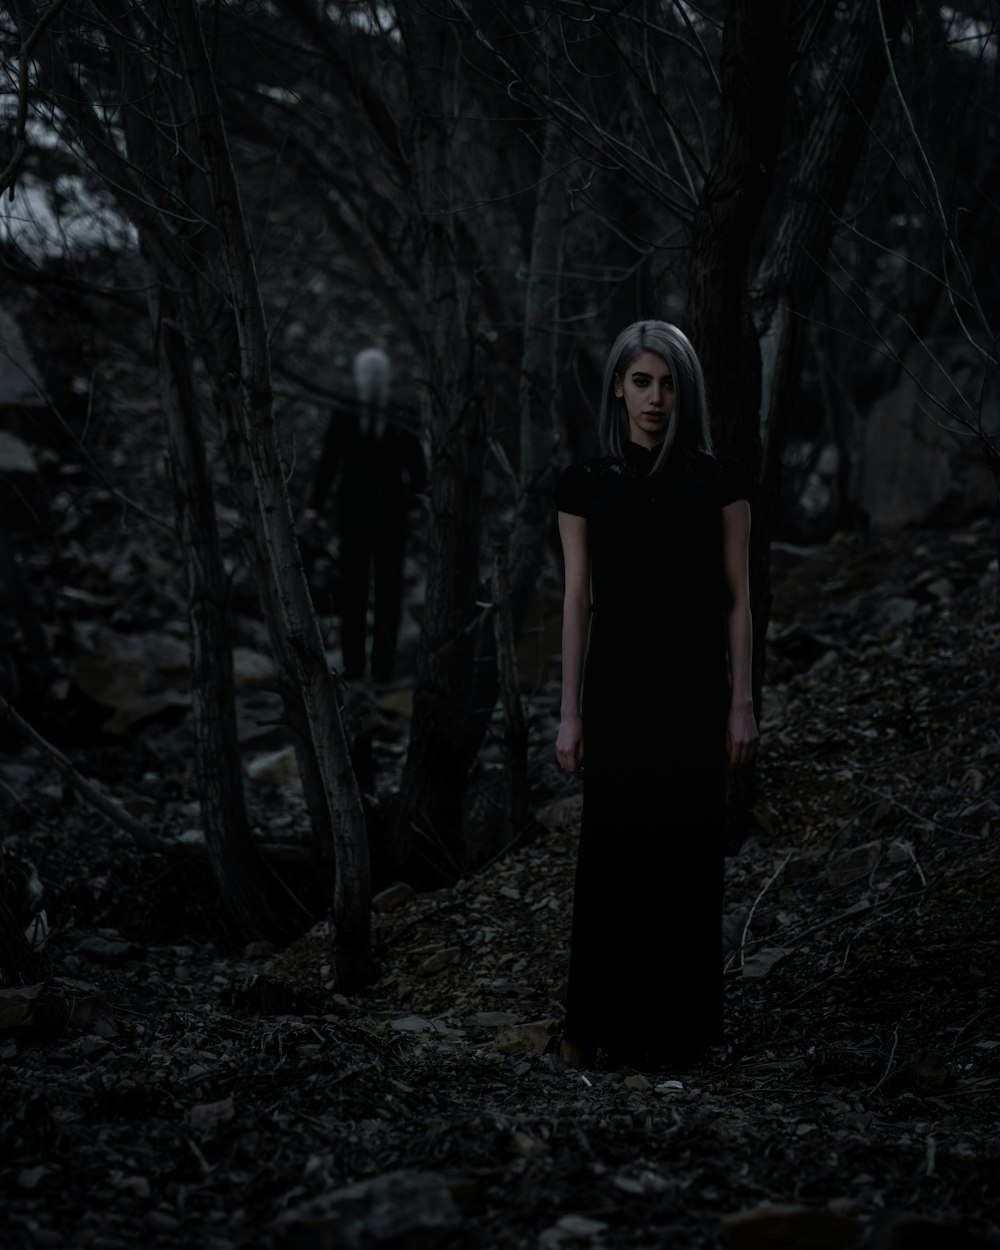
424 839
538 434
237 868
515 728
753 75
303 648
792 269
155 198
537 429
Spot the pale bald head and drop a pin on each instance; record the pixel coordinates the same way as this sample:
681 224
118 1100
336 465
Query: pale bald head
373 376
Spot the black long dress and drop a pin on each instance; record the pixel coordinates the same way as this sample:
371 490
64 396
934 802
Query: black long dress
645 979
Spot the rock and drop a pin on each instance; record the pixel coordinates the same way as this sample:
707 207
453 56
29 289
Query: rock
401 1209
258 717
393 897
535 1037
170 655
641 1181
17 1005
252 669
412 1024
440 959
638 1081
31 1178
530 1147
397 703
942 589
773 1227
855 863
733 924
138 1186
569 1230
493 1019
119 680
562 814
668 1087
111 952
90 1047
760 963
64 1002
262 949
103 1027
275 768
15 455
207 1116
911 470
894 611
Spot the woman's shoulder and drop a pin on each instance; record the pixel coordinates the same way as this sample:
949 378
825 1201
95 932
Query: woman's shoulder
577 482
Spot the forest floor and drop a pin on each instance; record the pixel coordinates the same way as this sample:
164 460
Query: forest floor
205 1097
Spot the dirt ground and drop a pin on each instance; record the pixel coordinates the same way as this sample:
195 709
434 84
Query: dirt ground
188 1094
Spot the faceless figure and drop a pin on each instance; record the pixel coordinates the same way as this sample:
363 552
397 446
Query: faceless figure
376 467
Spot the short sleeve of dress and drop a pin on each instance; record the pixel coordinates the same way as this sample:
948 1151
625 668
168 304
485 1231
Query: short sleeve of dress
734 482
572 494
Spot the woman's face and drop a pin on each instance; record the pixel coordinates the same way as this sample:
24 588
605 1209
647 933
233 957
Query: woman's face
647 388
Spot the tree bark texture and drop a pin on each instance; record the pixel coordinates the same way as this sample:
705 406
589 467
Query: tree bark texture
205 241
515 727
537 428
753 77
538 433
237 868
327 741
424 837
753 74
793 267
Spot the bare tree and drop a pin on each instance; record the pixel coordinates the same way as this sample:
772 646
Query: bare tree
223 318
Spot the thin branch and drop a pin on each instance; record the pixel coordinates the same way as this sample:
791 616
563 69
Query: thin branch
951 244
108 807
8 177
767 885
888 1066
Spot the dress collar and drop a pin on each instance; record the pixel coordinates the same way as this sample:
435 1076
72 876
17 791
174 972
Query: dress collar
639 457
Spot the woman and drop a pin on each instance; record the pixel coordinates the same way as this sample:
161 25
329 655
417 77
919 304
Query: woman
655 537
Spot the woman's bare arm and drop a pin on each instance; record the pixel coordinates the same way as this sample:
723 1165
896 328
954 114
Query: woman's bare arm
576 618
741 731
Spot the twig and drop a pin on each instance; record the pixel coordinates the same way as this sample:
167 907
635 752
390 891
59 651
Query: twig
8 177
888 1066
109 807
206 1167
931 820
767 885
916 864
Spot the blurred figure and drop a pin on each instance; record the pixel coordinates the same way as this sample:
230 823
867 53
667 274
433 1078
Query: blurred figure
376 469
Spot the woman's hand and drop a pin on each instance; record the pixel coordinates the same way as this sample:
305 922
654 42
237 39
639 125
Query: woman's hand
741 734
569 744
